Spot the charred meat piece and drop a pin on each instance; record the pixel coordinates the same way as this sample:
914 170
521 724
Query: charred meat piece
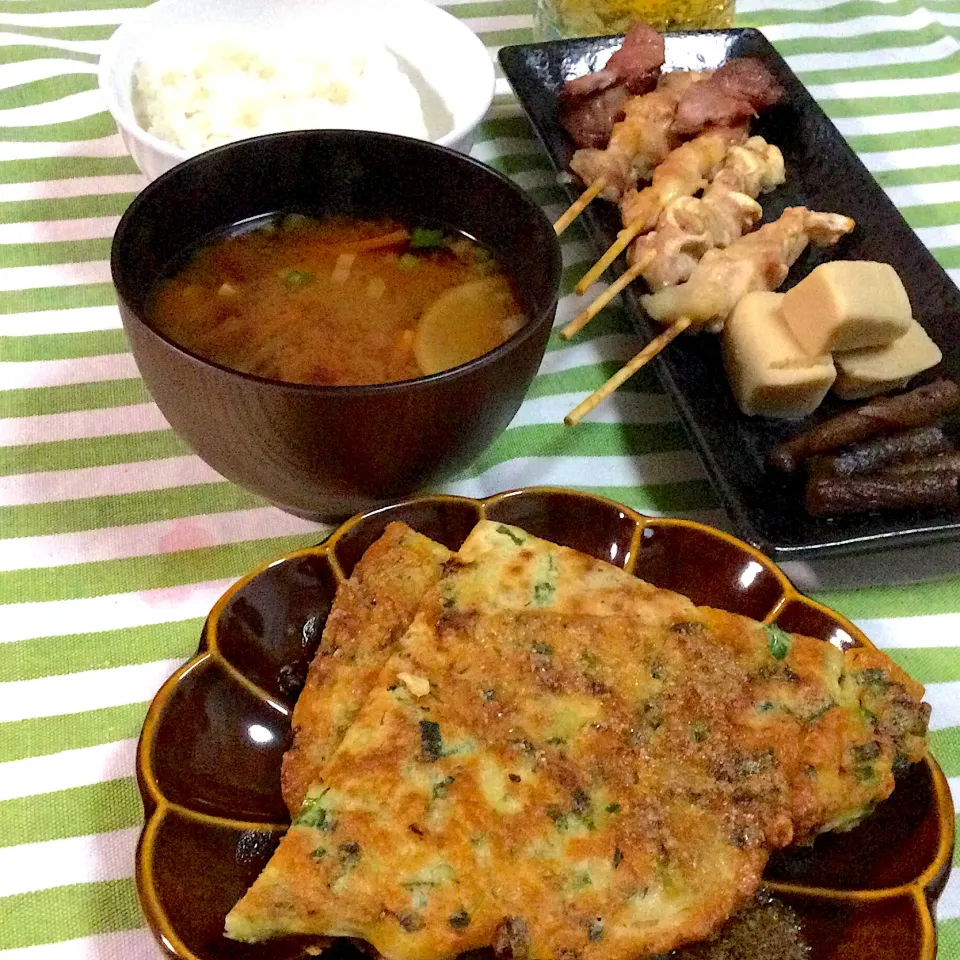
587 85
875 454
590 105
921 407
829 496
749 79
638 142
735 93
637 63
589 120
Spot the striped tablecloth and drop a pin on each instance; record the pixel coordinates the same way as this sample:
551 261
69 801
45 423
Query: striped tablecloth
115 540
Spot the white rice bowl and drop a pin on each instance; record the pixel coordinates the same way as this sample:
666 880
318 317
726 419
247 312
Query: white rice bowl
203 94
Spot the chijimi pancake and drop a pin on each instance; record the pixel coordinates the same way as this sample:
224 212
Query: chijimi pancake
559 760
370 613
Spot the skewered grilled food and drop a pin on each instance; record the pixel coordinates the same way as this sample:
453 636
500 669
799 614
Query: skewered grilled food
686 171
591 104
690 226
758 261
734 94
638 142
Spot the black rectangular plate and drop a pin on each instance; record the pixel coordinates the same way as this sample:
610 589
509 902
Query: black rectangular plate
823 173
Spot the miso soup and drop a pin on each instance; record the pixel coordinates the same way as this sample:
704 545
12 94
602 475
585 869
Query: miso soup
338 301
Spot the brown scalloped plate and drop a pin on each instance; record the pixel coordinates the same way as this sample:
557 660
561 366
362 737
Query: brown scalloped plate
208 763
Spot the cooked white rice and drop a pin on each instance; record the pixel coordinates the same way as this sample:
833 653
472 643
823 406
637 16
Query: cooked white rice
204 94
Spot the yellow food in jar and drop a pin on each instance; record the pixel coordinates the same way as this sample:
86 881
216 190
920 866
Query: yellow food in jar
570 18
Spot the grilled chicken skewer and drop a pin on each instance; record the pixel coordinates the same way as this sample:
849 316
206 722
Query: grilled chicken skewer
728 209
690 226
727 98
758 261
686 171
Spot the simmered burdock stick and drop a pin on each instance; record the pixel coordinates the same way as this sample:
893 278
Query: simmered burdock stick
829 496
948 463
690 226
921 407
873 455
758 261
685 172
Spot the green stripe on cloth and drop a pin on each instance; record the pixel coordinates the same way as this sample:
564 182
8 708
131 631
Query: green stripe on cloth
908 140
948 257
41 736
73 653
66 913
932 215
53 252
837 13
918 599
948 934
93 32
91 452
943 66
56 6
54 298
134 574
588 440
881 106
668 498
77 812
42 91
40 401
945 746
66 346
64 168
22 52
121 510
928 664
867 41
495 8
87 128
587 379
65 208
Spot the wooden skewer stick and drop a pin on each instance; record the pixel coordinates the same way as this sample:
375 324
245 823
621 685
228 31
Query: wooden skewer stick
580 204
627 371
583 318
624 238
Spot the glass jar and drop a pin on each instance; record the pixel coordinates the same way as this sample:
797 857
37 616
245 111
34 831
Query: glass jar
557 19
